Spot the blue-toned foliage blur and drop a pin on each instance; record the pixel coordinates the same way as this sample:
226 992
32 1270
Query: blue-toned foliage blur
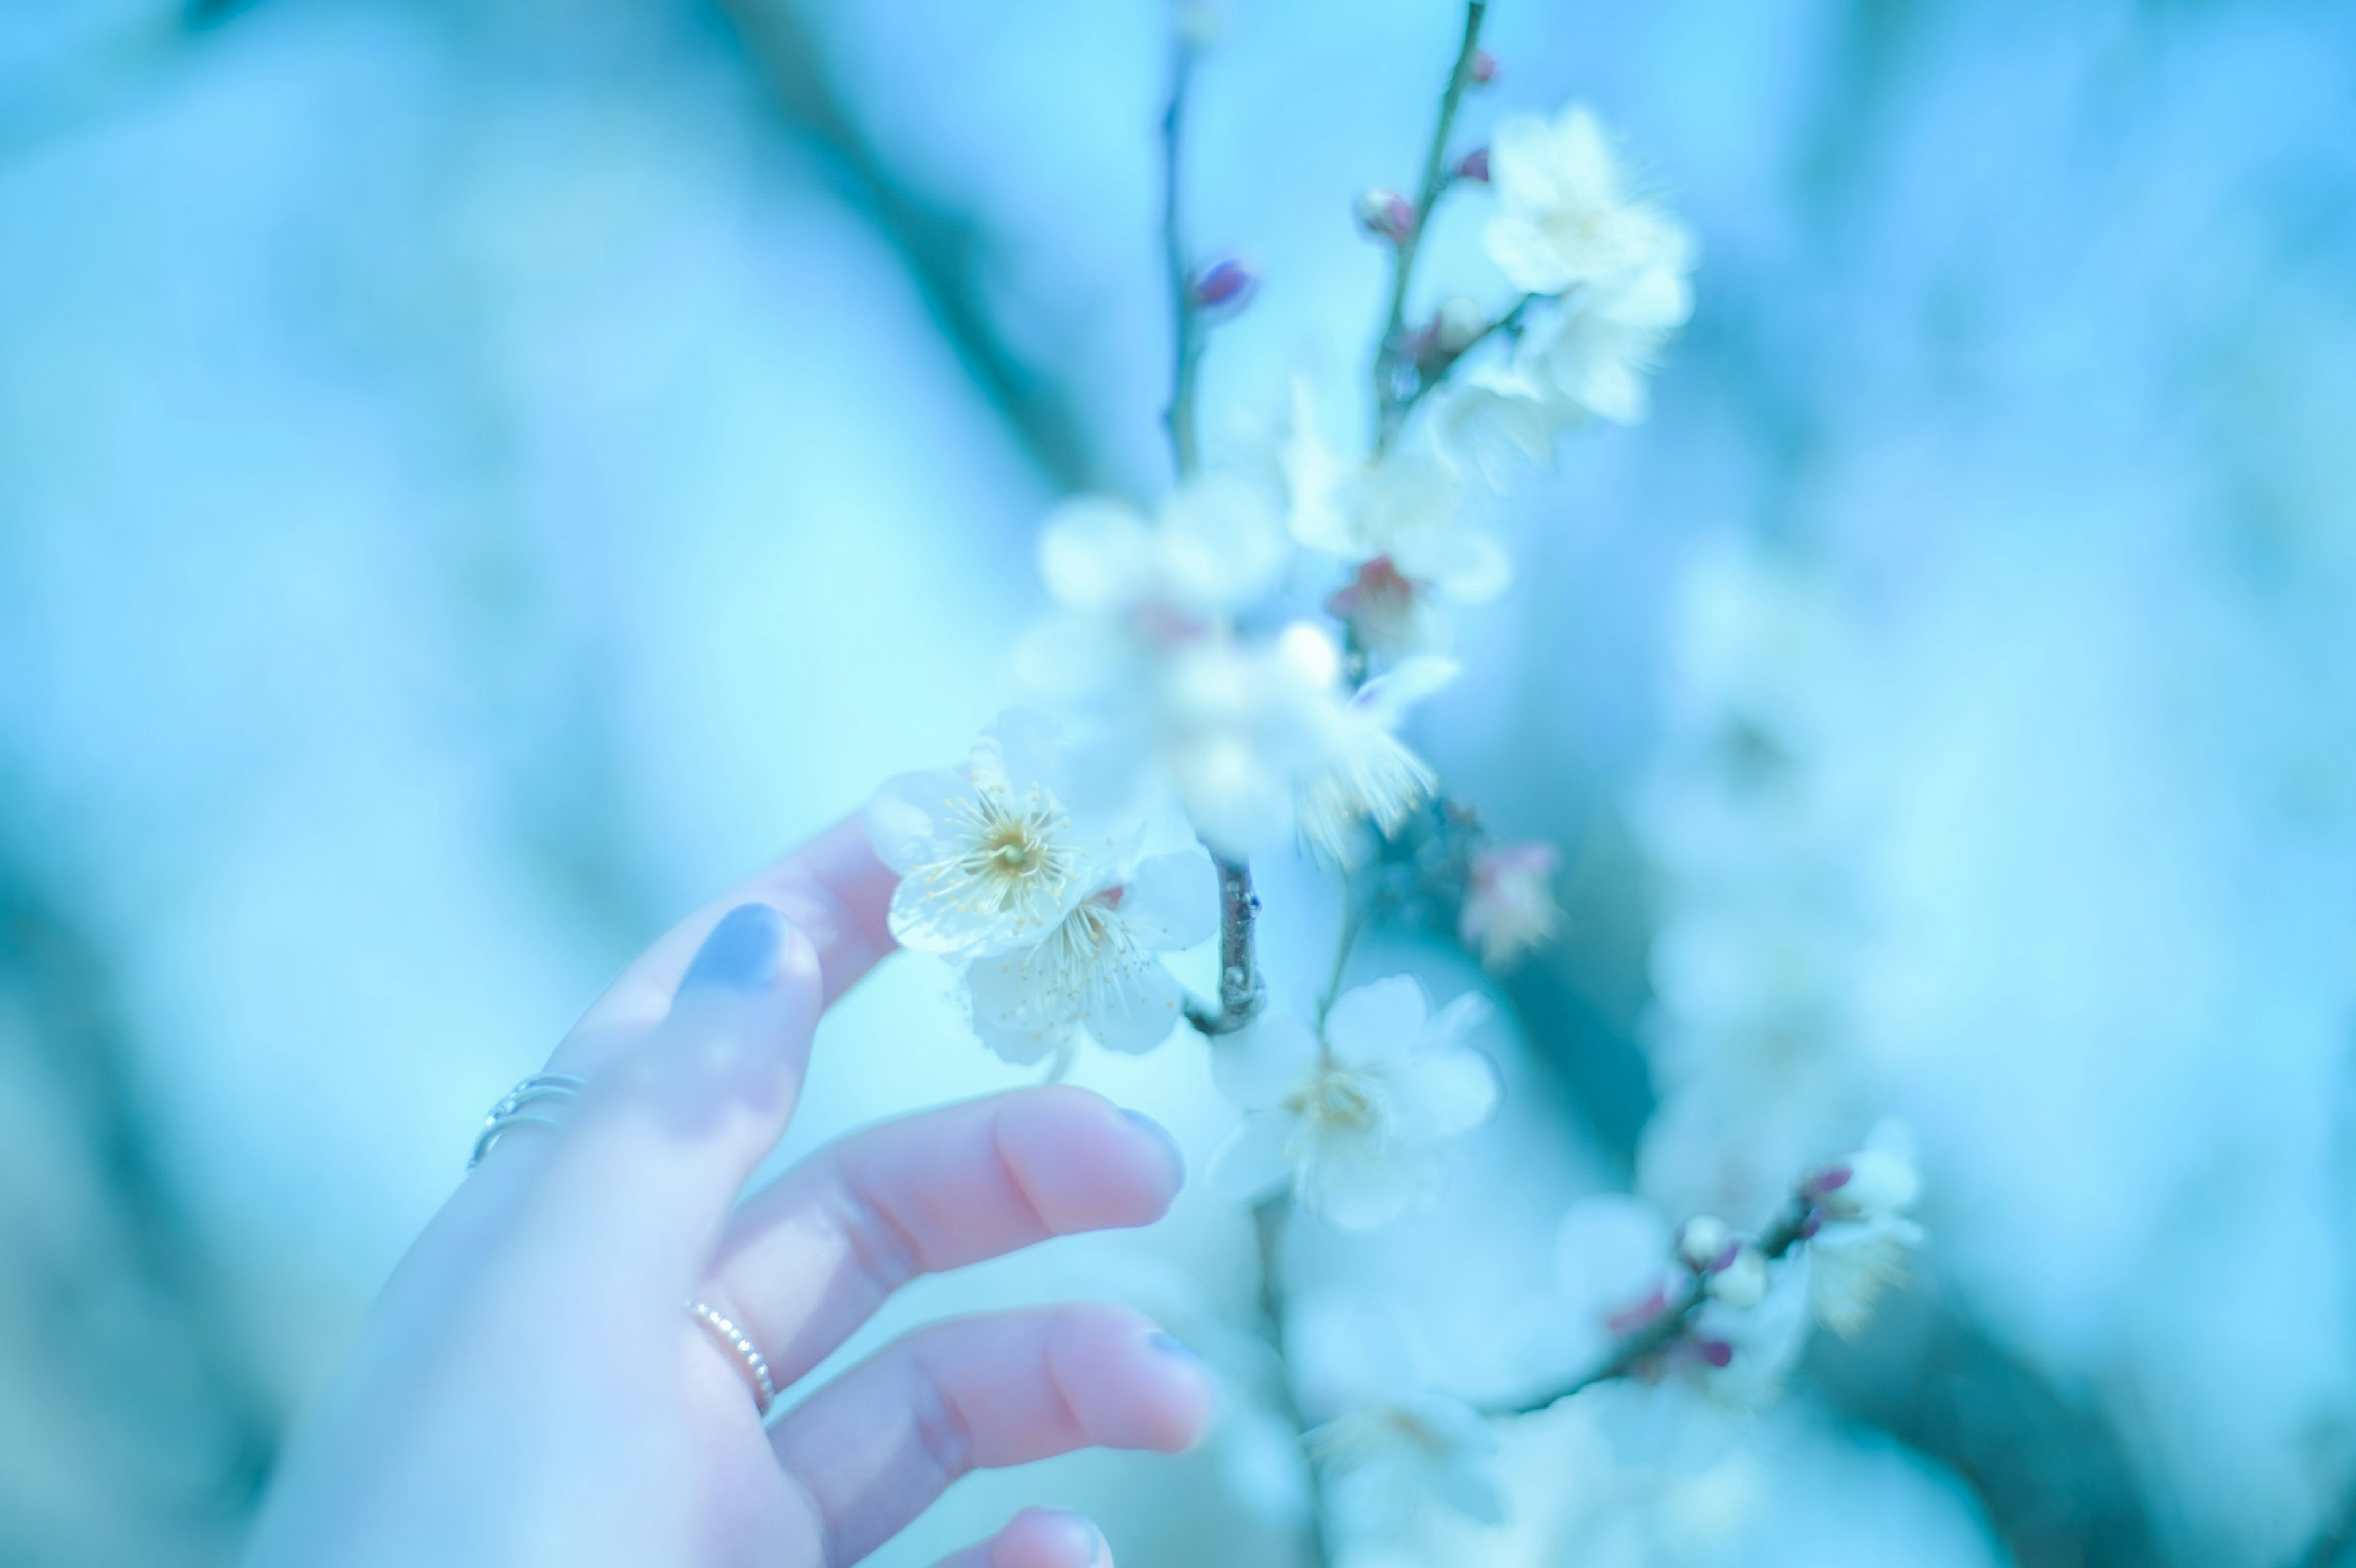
475 478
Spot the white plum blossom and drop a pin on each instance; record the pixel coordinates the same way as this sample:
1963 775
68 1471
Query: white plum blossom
996 854
1388 1440
1357 1123
1097 973
1362 773
1262 737
1397 520
1509 907
1864 1239
1591 357
1387 1459
1132 592
1566 215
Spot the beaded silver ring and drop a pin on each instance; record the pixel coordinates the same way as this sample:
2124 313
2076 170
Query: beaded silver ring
538 1089
765 1388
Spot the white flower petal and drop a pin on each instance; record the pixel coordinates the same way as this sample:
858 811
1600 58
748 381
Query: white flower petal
1359 1184
1005 1012
1252 1161
1224 544
1096 555
1452 1091
1390 694
1457 1019
1027 748
1380 1022
905 818
1468 567
1265 1061
1137 1009
1171 901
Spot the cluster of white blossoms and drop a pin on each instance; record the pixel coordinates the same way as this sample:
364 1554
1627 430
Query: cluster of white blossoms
1232 672
1057 916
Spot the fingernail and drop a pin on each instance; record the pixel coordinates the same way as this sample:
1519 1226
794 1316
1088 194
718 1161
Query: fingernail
1177 1155
1080 1532
741 954
1172 1346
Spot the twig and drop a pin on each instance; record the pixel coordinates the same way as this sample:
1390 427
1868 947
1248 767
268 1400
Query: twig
1510 322
1391 352
1187 343
1241 994
1268 1225
1353 919
1668 1328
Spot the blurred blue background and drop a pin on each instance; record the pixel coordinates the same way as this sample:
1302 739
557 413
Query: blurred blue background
477 478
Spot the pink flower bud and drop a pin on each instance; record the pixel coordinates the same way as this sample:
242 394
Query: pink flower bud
1473 165
1484 70
1716 1352
1509 909
1225 282
1387 214
1382 607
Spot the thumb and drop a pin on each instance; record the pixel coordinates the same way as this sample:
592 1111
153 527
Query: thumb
664 1138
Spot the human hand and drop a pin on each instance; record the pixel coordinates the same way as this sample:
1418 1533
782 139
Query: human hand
531 1389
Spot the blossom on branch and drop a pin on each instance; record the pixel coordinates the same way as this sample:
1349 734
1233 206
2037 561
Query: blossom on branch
1133 591
1397 520
995 855
1863 1238
1567 214
1358 1122
1388 1440
1097 974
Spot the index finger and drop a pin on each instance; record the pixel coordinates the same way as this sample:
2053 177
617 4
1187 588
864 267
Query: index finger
832 889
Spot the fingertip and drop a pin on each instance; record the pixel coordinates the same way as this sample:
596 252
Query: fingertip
1134 1385
1168 1143
1085 1164
1050 1538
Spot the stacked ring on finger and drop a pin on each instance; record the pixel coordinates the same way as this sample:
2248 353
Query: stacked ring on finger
543 1089
756 1365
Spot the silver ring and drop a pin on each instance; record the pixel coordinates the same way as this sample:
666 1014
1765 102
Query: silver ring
538 1089
765 1388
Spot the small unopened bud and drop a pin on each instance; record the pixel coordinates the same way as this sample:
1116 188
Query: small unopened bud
1483 69
1742 1281
1459 325
1716 1352
1387 213
1225 283
1702 1240
1474 166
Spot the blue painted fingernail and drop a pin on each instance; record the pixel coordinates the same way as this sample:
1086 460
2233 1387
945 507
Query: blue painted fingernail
1177 1155
1170 1345
741 954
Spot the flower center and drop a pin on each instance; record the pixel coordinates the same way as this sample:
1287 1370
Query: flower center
1012 860
1338 1098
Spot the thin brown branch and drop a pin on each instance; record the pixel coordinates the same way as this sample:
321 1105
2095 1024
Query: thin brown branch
1672 1324
1269 1219
1391 354
1186 352
942 249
